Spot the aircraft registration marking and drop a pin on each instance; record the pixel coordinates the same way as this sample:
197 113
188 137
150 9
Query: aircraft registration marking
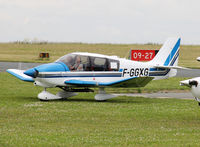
136 72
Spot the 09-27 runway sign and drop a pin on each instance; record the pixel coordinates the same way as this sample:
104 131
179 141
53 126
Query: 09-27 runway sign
143 55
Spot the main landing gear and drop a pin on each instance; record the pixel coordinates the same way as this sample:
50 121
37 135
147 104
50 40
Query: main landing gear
102 96
45 95
66 93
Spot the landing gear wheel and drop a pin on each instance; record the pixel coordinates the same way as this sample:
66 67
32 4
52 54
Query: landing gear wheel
103 96
46 96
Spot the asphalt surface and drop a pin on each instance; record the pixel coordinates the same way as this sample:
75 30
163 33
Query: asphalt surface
182 95
16 65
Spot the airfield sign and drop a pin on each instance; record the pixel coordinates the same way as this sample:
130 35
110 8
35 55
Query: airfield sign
143 55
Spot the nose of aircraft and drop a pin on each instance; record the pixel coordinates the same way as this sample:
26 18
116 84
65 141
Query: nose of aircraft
31 72
50 67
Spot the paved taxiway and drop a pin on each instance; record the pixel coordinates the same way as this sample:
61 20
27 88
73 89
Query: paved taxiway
178 95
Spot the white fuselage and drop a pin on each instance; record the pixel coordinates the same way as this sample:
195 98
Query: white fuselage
127 68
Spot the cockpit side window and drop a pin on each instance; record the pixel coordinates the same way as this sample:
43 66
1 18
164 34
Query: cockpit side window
98 64
104 64
77 62
82 63
113 65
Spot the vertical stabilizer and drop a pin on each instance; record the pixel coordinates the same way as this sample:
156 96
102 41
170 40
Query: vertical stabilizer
168 53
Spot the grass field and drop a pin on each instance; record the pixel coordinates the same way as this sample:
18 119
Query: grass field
81 121
30 52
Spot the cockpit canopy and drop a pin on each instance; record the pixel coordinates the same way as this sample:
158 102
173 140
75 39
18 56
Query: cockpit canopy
78 62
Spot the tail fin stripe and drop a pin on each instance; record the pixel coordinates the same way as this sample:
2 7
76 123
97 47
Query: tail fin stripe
171 55
175 58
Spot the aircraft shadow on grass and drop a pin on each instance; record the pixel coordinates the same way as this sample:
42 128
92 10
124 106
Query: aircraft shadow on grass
133 100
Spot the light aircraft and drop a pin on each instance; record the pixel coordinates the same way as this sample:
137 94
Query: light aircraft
194 85
79 71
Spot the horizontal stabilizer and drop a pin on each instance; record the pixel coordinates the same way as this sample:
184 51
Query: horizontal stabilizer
171 67
20 75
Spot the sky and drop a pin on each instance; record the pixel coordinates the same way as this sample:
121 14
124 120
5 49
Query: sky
100 21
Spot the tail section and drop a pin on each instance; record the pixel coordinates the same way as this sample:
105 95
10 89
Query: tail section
167 59
168 53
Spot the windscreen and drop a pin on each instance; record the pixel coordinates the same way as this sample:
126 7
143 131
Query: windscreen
67 59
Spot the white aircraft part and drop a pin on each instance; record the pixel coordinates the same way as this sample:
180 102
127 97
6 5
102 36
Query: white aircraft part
164 51
195 88
186 82
20 75
45 95
42 84
195 91
102 96
171 67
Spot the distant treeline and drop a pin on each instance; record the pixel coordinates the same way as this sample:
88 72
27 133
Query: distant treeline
46 42
30 42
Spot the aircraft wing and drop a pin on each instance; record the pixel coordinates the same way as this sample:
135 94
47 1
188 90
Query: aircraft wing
170 67
129 82
20 75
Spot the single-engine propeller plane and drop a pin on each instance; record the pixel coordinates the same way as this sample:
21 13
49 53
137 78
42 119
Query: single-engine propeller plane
79 71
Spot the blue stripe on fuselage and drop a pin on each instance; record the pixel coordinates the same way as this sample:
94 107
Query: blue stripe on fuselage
76 76
62 76
157 69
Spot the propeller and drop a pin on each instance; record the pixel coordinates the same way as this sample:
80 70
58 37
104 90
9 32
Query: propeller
32 72
193 83
36 73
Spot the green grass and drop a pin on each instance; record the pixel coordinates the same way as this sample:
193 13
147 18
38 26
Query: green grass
81 121
30 52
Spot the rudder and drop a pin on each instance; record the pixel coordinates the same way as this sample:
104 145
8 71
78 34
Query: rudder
168 53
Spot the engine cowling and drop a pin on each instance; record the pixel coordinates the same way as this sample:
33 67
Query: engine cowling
195 91
195 88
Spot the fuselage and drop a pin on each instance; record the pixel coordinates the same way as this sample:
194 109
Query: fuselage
94 67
